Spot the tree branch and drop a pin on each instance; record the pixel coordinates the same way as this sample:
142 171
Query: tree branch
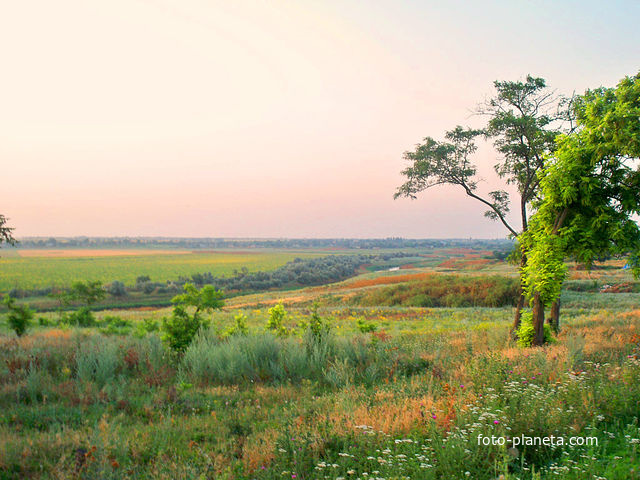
490 205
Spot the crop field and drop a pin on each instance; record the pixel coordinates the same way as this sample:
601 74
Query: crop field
61 269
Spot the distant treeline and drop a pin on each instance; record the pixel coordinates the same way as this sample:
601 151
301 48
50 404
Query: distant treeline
216 243
297 273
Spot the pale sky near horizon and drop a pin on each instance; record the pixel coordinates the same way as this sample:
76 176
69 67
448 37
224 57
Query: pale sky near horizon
269 119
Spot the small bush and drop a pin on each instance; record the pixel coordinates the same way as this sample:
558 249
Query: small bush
240 327
366 327
275 323
19 316
83 317
181 328
117 289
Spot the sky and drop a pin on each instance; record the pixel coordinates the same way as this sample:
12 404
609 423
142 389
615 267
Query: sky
277 118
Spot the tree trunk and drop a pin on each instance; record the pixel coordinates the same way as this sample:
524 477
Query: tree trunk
554 316
521 299
517 319
538 320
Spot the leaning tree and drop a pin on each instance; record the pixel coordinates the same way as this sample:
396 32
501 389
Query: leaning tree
524 119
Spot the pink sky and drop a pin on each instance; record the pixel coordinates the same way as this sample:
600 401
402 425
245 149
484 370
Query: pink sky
275 119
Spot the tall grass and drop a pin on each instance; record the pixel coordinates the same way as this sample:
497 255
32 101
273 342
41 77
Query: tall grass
440 290
327 359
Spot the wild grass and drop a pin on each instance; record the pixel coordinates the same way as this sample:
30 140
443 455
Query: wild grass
441 290
406 401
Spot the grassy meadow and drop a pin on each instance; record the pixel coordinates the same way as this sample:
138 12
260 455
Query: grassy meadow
387 388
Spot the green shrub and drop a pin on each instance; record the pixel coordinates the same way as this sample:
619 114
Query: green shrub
83 317
19 316
180 328
318 326
275 323
146 326
44 321
526 332
366 327
240 326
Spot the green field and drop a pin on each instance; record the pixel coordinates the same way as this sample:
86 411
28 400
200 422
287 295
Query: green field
38 272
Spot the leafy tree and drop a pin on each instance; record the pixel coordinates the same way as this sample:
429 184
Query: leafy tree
88 292
19 316
524 118
117 289
181 328
6 233
206 299
590 193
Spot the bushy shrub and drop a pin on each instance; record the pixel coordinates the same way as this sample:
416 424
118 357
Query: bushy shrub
318 327
181 328
239 327
364 326
117 289
83 317
275 323
114 325
146 326
19 316
526 332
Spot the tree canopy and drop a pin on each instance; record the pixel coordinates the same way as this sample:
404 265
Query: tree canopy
590 192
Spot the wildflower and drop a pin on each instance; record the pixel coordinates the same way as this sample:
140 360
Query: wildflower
496 422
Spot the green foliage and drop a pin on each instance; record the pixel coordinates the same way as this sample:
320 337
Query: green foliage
87 292
275 323
180 329
239 327
318 326
19 316
523 123
366 327
206 299
526 332
83 317
6 233
589 192
117 289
